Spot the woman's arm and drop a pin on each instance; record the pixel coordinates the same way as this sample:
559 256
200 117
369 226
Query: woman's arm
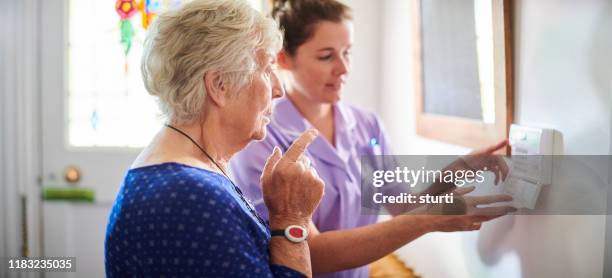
291 191
225 246
287 253
345 249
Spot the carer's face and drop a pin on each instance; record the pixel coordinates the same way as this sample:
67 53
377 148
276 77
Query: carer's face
321 64
255 101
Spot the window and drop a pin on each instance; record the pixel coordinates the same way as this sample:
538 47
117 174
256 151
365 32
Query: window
463 70
108 105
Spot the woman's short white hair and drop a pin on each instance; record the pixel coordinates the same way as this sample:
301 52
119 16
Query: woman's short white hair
204 35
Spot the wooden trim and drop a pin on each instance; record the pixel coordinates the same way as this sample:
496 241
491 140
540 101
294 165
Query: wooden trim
509 62
463 131
455 130
418 62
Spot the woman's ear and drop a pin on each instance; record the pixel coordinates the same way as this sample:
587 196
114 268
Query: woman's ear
284 60
215 89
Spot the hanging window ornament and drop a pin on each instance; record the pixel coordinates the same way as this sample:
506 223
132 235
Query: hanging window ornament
126 9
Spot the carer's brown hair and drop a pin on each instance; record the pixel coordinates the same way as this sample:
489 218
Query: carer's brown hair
297 19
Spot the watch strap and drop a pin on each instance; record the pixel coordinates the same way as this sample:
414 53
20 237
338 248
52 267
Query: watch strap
277 233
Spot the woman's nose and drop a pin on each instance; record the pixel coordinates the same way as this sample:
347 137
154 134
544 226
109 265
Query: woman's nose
342 66
277 87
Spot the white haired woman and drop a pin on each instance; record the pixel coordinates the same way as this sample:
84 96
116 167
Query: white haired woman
211 64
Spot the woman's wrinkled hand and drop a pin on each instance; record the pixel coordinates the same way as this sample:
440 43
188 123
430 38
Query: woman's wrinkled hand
291 188
466 215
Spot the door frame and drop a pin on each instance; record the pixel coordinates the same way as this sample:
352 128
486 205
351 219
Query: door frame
20 140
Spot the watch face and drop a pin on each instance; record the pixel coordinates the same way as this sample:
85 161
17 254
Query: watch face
296 233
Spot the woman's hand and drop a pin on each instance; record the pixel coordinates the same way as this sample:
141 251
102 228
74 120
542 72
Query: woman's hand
291 188
466 215
484 159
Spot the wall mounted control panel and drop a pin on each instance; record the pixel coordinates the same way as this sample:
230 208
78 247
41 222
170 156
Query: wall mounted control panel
530 164
531 141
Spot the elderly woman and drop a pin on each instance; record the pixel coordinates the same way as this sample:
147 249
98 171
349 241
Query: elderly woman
211 64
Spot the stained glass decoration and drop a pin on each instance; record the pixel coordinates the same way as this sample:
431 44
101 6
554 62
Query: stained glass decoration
93 120
126 9
152 8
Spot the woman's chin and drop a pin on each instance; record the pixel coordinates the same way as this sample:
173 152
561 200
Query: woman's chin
335 96
333 99
330 97
260 134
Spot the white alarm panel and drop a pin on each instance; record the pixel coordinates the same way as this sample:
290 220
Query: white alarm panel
530 164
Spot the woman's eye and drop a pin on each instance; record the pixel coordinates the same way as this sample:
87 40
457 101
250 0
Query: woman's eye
325 58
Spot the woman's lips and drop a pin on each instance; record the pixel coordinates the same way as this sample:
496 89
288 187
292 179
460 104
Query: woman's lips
334 87
266 117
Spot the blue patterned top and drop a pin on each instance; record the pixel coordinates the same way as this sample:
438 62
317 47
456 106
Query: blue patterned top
172 219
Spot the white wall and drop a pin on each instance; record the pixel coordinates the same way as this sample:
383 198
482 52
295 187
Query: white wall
363 83
563 78
3 56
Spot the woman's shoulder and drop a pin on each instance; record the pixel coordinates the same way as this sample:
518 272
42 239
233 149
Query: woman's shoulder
177 180
177 191
173 170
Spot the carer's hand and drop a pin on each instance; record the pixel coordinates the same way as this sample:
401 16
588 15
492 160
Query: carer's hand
470 217
291 189
484 159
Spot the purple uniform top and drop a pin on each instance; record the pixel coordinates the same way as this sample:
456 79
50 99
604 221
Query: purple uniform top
357 133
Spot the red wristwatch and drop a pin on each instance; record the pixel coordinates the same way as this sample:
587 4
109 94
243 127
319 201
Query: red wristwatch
293 233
